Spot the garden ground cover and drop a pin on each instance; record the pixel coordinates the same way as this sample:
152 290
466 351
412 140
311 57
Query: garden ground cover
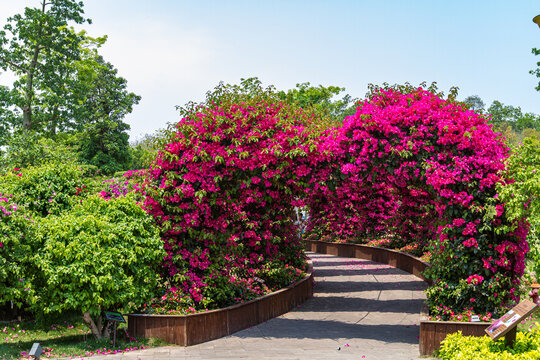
65 338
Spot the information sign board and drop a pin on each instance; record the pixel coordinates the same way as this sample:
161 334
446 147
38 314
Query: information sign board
114 316
511 319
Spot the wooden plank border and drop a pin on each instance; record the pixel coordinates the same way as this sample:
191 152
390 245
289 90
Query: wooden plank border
405 262
194 329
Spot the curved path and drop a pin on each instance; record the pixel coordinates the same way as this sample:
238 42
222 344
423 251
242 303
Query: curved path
360 310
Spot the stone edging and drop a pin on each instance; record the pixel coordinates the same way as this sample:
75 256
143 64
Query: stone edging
431 332
196 328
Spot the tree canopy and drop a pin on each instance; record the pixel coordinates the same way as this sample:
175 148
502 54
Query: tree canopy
63 85
34 46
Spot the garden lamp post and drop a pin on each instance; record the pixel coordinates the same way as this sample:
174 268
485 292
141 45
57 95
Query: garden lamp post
536 20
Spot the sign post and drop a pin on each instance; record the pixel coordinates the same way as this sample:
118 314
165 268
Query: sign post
115 317
507 325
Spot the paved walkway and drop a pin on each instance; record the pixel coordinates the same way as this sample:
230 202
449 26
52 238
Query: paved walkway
360 310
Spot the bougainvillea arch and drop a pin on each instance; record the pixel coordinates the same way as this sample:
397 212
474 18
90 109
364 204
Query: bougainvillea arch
408 162
426 169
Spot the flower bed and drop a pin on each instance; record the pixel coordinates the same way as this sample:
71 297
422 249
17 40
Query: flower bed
196 328
433 332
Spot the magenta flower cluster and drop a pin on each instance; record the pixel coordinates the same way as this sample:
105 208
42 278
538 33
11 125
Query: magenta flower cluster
223 192
128 183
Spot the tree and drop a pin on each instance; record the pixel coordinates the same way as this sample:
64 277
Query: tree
527 121
521 195
145 150
503 114
7 116
474 102
100 255
62 103
105 144
33 46
319 100
536 72
105 140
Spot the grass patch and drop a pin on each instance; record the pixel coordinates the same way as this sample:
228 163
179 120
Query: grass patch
68 338
530 322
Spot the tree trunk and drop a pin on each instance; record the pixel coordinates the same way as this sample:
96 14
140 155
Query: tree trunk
29 95
27 116
53 123
98 330
91 324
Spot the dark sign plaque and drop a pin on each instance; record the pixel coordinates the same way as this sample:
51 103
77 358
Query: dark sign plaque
511 319
114 316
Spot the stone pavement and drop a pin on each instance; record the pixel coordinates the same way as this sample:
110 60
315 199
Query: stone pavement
360 310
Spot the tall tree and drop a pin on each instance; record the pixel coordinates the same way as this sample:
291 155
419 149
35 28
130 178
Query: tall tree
474 102
34 45
107 101
527 121
502 115
7 116
319 99
63 103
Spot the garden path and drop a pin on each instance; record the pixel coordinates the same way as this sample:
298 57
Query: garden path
360 310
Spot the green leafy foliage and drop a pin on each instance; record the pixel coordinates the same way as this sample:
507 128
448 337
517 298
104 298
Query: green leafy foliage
536 72
63 86
145 150
101 254
319 101
513 124
457 346
33 46
105 145
104 142
14 230
46 189
27 149
522 194
474 102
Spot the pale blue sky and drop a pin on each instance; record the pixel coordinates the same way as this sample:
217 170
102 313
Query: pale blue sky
172 52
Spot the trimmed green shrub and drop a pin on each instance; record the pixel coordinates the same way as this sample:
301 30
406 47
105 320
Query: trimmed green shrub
13 230
100 255
46 189
457 346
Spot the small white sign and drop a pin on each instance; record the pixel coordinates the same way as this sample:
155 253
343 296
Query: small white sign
475 318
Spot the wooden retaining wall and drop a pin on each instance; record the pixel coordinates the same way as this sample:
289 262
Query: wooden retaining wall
433 332
405 262
197 328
